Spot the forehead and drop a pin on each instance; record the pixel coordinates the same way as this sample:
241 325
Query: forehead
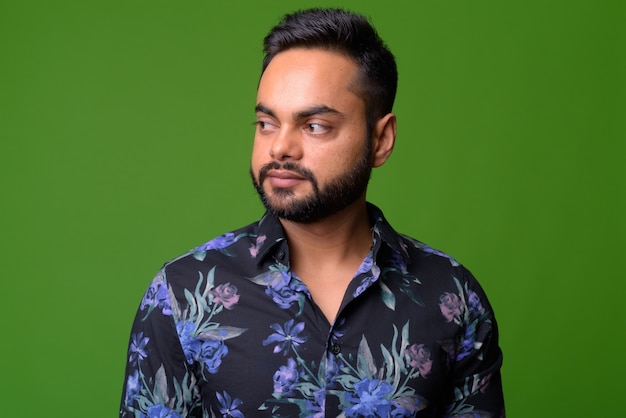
298 78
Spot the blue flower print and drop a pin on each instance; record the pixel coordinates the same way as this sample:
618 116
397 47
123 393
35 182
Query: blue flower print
371 270
365 283
285 292
228 406
430 250
285 378
397 262
474 303
160 411
366 265
371 399
316 409
339 329
137 350
157 296
219 243
468 344
332 367
132 386
212 353
286 336
407 406
191 345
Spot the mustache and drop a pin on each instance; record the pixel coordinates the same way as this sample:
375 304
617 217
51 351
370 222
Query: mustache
288 166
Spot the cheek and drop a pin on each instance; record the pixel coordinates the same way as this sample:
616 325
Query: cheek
349 153
334 162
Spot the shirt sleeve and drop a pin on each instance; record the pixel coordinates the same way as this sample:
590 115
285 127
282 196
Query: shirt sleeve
159 379
477 359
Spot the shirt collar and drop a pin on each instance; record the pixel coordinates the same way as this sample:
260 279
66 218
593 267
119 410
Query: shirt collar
272 230
382 232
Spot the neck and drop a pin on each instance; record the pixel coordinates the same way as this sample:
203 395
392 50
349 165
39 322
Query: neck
326 254
343 236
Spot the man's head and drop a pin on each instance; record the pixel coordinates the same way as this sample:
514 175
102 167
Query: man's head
349 34
323 115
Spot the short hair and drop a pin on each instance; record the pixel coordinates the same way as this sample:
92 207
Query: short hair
348 33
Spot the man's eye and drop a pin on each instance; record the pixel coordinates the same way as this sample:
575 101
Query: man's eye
263 125
317 128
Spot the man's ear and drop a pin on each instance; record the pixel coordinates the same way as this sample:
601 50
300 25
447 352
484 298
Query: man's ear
384 138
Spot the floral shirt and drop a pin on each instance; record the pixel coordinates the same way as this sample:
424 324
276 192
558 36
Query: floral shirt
229 330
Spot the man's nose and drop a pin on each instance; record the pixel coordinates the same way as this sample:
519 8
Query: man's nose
286 145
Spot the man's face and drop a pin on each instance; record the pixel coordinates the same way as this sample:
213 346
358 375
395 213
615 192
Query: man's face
311 155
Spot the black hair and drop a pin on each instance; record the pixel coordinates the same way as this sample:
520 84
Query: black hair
348 33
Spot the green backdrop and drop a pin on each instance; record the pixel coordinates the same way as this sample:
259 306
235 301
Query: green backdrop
125 133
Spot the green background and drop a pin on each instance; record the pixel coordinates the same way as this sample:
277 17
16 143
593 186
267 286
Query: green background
125 134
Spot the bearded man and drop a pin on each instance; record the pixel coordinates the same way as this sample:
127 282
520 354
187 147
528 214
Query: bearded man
320 308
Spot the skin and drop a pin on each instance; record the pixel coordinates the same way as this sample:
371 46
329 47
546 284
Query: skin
308 115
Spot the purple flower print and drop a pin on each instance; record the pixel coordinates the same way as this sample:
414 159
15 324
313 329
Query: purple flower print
157 296
419 358
228 406
285 378
137 350
190 344
484 383
212 353
226 295
132 386
160 411
286 336
254 249
370 400
450 306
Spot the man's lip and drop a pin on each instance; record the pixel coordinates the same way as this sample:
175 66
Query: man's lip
285 174
284 179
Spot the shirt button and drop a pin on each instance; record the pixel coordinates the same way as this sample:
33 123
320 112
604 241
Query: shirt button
335 348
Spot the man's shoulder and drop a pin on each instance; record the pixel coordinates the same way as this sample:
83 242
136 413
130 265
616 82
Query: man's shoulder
417 248
428 269
232 244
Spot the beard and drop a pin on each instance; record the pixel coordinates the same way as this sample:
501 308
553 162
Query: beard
340 192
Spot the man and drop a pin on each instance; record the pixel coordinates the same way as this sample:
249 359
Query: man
320 308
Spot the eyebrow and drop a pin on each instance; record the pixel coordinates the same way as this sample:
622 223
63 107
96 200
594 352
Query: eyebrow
302 114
